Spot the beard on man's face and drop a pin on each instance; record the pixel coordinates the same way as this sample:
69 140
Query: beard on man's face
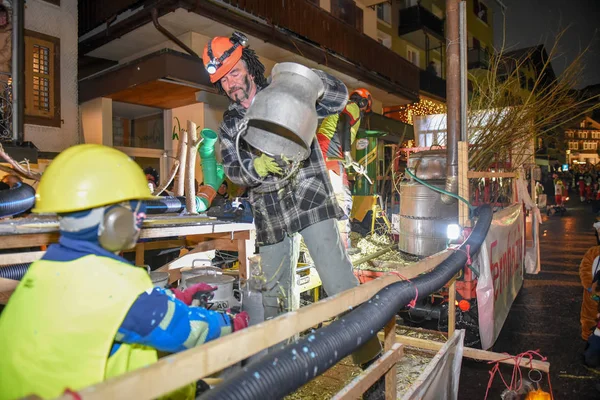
240 93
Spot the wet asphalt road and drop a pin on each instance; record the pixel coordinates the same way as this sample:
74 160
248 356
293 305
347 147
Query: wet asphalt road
545 314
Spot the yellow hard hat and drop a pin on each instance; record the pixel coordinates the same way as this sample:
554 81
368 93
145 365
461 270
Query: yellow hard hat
88 176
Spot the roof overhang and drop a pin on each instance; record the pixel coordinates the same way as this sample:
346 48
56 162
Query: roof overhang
164 79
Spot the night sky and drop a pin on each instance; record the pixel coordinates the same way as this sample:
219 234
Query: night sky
532 22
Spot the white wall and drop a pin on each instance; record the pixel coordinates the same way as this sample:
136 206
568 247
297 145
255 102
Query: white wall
60 22
96 121
369 20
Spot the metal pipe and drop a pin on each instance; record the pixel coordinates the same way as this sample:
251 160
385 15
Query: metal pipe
463 70
453 98
18 69
169 35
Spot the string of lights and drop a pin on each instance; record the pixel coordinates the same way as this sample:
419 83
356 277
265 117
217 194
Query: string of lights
407 112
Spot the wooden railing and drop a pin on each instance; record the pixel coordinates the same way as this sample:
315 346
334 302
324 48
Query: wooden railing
478 58
432 84
318 26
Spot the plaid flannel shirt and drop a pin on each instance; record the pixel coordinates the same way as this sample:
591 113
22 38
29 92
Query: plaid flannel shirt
306 198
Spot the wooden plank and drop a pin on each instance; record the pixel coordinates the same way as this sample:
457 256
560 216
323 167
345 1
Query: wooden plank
245 250
368 377
389 342
139 253
451 307
486 174
463 184
179 369
18 258
469 352
28 240
160 244
232 235
199 229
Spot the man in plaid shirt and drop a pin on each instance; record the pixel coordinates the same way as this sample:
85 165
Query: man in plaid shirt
283 209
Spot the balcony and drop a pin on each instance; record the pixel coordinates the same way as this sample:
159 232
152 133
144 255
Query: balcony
417 18
300 27
319 28
432 84
478 59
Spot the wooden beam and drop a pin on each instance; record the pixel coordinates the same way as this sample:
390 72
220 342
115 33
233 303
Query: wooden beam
139 253
451 307
231 235
28 240
469 352
463 183
368 377
161 244
485 174
179 369
389 342
18 258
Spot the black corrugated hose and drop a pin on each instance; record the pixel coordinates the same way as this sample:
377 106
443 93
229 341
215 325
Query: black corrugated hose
286 370
166 204
16 200
14 271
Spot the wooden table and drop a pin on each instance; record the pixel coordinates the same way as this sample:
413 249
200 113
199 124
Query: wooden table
197 231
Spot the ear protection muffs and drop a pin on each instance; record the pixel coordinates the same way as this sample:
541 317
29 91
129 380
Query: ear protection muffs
118 230
361 102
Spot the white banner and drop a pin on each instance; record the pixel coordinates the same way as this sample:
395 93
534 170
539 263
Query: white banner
500 262
440 378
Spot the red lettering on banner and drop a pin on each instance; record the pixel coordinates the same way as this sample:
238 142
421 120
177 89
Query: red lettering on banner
494 268
506 264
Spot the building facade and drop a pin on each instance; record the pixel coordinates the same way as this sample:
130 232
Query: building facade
51 109
415 29
583 142
140 73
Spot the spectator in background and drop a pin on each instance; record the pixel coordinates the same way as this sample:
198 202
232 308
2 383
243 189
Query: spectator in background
222 192
431 68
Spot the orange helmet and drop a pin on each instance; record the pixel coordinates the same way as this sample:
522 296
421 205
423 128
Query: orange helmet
363 98
222 53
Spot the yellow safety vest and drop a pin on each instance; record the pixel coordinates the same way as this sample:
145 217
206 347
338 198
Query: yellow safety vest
58 328
329 124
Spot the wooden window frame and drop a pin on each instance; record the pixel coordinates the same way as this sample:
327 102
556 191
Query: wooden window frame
54 120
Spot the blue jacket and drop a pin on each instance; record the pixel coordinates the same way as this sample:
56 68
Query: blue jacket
181 326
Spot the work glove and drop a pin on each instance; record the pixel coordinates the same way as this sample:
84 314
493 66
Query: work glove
348 160
265 165
239 321
200 289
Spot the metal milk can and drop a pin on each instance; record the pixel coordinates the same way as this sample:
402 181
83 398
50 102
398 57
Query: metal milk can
223 298
159 279
282 119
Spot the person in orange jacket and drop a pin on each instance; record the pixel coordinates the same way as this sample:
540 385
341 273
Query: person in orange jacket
589 267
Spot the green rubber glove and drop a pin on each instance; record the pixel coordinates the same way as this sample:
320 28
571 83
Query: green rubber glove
264 165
